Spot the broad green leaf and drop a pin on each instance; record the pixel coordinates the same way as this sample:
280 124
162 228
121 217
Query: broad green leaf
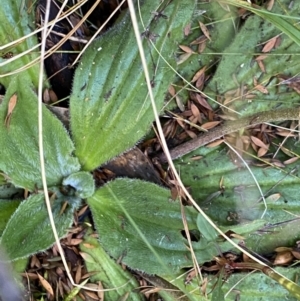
272 235
17 20
140 223
109 106
218 294
7 208
238 63
241 201
28 230
246 286
283 23
83 183
19 141
108 271
258 286
9 192
206 229
221 33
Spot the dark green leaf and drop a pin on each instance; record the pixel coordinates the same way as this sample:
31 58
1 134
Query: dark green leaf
109 106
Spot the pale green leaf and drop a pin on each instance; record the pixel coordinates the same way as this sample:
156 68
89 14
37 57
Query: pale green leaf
258 286
283 23
17 20
83 183
28 230
9 191
109 106
19 141
108 271
238 62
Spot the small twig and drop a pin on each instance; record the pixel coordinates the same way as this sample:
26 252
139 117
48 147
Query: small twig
230 127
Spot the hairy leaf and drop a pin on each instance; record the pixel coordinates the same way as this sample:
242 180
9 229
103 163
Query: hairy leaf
239 75
109 106
7 208
240 200
9 191
140 223
17 20
28 230
19 141
108 272
83 182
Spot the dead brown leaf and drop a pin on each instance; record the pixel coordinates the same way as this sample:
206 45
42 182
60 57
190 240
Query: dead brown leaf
270 4
172 90
260 87
283 258
259 143
269 45
11 106
195 110
183 57
291 160
261 66
46 284
204 30
78 274
215 143
199 40
261 57
210 125
261 152
201 100
199 74
186 49
187 29
201 47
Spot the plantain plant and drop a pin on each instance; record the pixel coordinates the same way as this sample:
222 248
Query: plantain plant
110 112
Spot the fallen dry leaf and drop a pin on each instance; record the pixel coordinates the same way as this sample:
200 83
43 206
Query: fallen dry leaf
291 160
261 152
210 125
11 106
215 143
172 90
46 284
270 5
269 45
261 66
259 143
183 57
187 29
199 74
186 49
205 30
195 110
